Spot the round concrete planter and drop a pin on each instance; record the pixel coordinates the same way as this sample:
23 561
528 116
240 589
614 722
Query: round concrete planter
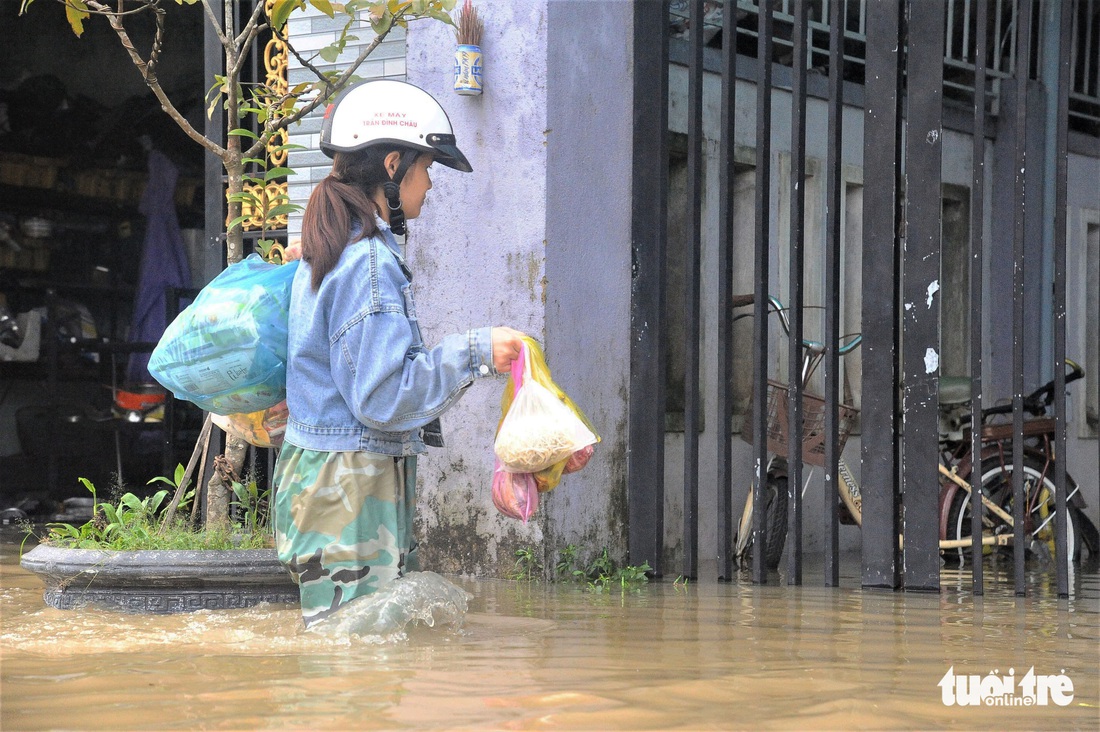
167 581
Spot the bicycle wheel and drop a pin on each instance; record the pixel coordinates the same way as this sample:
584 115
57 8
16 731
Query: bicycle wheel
775 522
1039 492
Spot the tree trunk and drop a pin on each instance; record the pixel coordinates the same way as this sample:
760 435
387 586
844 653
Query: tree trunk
220 488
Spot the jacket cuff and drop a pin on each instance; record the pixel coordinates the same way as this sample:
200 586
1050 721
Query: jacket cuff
481 352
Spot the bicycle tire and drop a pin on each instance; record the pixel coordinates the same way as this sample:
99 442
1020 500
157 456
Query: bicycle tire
996 482
775 522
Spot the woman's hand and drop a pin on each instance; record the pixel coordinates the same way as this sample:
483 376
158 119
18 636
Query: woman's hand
506 347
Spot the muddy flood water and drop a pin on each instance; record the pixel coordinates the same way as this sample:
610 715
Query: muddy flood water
558 656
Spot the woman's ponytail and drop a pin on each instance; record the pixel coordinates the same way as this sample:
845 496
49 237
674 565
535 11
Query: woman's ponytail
341 207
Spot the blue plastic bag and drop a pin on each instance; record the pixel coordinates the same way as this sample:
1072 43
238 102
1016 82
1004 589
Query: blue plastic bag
227 350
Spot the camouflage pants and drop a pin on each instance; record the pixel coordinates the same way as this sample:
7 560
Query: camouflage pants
343 523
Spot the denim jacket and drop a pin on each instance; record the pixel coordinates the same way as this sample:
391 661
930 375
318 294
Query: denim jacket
359 376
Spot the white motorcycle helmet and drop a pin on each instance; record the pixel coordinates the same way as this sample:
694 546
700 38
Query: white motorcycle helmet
386 111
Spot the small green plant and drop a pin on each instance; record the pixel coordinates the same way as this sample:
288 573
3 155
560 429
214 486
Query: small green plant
186 496
600 574
600 567
251 503
528 568
566 569
603 573
134 524
631 575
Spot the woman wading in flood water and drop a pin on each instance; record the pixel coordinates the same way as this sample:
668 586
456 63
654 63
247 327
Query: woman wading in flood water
364 391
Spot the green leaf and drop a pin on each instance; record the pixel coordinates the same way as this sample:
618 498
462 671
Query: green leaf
76 11
330 53
324 6
245 198
284 209
277 173
241 132
154 501
441 15
110 512
237 222
281 10
381 26
131 501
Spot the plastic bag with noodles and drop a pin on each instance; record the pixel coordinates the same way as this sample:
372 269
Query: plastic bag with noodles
515 495
542 431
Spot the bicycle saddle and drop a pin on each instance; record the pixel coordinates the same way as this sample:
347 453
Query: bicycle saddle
954 390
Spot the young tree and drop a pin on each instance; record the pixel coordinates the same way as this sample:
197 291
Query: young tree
272 109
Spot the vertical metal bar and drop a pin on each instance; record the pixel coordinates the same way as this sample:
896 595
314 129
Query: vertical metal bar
966 30
1014 48
977 258
214 129
921 265
692 401
1090 46
726 183
794 344
950 34
998 59
762 279
1023 45
881 248
831 363
1077 28
1062 518
646 442
53 347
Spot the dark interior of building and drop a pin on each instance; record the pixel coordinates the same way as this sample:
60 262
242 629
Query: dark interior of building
79 130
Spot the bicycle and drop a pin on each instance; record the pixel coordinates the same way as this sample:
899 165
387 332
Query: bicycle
955 467
776 489
996 467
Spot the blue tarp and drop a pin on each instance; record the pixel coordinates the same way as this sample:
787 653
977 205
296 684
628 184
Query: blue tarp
163 261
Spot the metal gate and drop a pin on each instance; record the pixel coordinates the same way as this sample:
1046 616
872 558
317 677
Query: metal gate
907 63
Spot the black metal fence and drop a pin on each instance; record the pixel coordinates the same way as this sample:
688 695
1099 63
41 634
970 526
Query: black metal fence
902 55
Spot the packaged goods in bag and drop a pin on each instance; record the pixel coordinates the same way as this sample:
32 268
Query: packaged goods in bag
541 426
579 459
264 428
226 352
515 495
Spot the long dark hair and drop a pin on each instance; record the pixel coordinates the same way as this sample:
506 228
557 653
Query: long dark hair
343 196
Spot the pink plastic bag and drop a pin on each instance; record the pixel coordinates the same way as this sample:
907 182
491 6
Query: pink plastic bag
515 495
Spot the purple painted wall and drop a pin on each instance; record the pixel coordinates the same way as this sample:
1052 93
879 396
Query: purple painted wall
537 238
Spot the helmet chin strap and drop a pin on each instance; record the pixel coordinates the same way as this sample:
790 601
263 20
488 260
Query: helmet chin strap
392 191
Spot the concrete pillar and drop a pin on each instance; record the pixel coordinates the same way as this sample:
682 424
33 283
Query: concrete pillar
537 238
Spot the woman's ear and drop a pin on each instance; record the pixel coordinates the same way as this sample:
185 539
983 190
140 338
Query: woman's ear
391 163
